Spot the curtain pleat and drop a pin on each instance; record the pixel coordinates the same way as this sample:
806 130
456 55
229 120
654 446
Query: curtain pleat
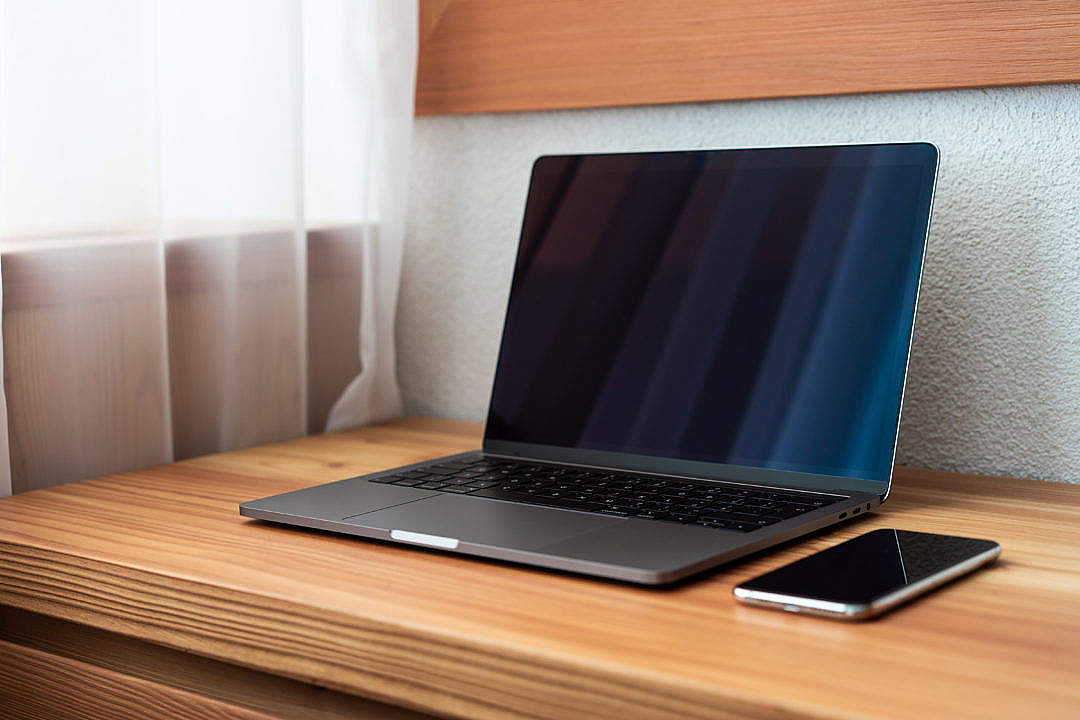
390 65
5 453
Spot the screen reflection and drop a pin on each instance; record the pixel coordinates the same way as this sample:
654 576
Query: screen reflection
748 307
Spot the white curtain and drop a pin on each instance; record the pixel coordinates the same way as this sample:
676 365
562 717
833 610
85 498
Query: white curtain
201 217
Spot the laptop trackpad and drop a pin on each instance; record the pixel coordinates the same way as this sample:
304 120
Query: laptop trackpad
485 522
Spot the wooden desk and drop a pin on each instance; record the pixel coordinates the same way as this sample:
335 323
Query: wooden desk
149 592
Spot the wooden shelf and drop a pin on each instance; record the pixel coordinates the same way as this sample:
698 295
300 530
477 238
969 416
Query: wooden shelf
501 55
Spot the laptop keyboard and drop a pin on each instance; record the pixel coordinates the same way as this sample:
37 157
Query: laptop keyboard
715 505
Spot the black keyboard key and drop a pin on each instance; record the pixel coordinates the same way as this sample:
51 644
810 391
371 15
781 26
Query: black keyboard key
459 489
494 493
409 482
452 480
430 486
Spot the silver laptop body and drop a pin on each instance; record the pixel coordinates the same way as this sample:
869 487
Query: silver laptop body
704 355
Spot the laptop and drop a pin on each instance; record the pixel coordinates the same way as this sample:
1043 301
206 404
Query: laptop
704 354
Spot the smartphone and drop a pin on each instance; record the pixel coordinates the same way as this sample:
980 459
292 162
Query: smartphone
868 575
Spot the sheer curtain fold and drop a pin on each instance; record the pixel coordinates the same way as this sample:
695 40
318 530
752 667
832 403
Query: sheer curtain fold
374 393
201 218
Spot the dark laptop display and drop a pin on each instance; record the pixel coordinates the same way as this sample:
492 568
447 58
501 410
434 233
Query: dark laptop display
729 306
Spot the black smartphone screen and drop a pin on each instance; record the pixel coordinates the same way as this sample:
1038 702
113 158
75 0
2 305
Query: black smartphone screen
867 567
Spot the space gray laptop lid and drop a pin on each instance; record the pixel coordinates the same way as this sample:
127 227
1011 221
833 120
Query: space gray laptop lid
738 314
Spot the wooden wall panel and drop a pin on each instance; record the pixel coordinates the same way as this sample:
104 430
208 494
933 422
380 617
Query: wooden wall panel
84 364
500 55
89 391
234 341
333 317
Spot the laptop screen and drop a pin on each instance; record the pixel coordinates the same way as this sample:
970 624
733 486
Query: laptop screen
746 307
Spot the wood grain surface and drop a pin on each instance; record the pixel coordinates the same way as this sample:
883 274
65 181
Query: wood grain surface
499 55
83 654
35 684
162 556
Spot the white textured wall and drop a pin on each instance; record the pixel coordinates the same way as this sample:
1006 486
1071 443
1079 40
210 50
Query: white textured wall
994 385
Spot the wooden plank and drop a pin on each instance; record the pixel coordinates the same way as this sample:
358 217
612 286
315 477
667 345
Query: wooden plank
84 362
123 658
35 684
228 296
162 555
500 55
235 347
333 317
